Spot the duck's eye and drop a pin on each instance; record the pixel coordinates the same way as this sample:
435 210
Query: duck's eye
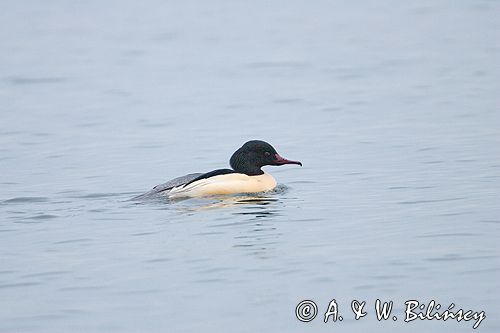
267 153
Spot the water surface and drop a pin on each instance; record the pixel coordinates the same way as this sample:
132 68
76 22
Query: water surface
391 106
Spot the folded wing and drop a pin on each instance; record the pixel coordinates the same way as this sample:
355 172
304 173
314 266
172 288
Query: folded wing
165 187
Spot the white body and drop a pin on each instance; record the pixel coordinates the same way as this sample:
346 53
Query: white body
232 183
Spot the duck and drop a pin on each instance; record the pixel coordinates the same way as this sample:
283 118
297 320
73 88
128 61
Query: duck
245 175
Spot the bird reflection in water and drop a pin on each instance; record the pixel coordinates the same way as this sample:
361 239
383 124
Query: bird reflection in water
261 204
253 222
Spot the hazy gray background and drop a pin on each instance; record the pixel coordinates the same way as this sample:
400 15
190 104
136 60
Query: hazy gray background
392 106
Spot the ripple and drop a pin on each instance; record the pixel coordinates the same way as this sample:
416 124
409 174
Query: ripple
258 213
144 233
308 220
426 149
20 80
354 173
277 65
82 288
231 224
209 281
99 195
390 277
17 285
208 233
490 221
300 182
45 274
140 292
280 189
455 213
25 200
457 234
43 217
7 272
158 260
77 240
365 287
416 202
479 271
455 257
288 100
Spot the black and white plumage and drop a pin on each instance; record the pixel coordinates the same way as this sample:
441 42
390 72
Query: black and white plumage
245 175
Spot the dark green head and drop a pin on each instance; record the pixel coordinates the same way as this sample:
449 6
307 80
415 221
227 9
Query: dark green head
255 154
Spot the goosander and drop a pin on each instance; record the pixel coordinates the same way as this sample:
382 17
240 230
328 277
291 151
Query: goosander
245 175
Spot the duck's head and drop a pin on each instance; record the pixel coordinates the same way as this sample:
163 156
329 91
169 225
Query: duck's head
255 154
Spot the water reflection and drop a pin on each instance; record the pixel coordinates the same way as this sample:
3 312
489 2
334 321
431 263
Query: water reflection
259 203
258 239
251 219
400 193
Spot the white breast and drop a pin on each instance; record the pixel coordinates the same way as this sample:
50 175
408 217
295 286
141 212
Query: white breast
232 183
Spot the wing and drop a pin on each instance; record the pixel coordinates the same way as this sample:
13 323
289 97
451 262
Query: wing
158 189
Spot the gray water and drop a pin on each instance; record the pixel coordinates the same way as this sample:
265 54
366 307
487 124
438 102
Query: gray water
393 108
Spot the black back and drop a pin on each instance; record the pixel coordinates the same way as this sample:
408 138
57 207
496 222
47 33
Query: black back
211 174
